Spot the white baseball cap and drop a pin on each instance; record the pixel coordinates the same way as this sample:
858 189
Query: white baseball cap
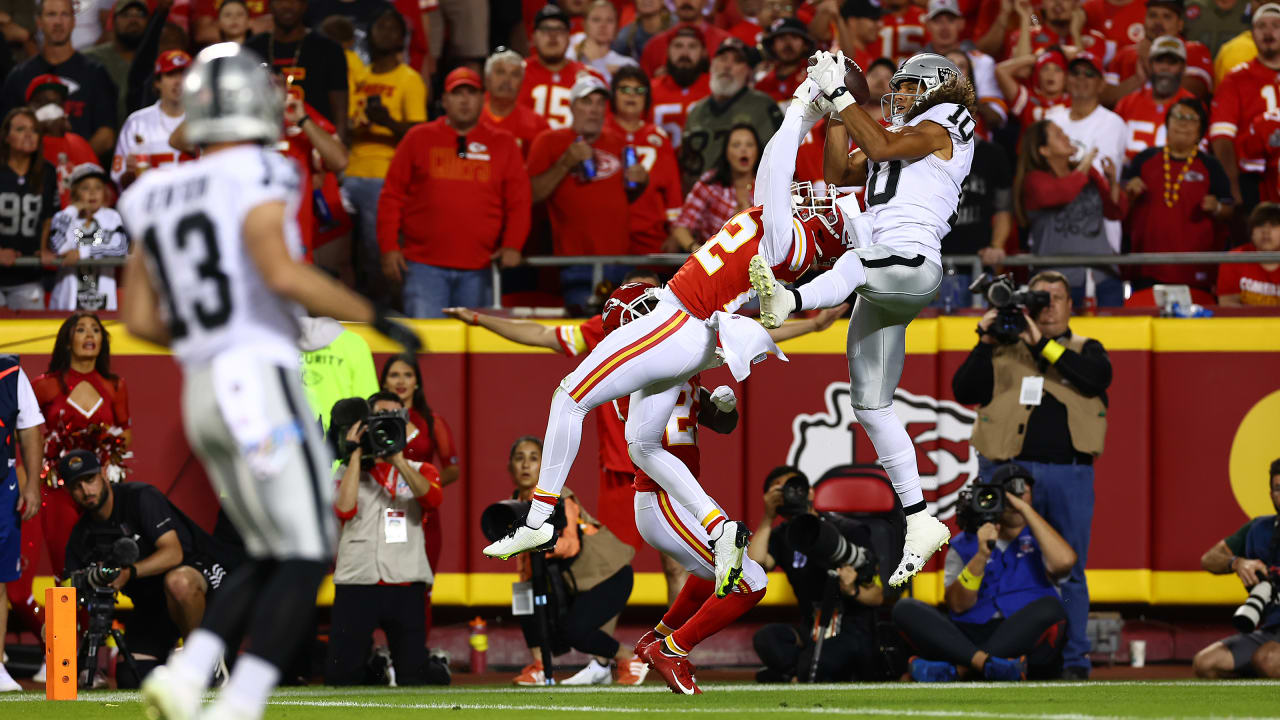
938 7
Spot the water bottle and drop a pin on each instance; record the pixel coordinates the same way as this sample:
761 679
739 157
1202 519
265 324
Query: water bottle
629 159
588 166
321 209
479 642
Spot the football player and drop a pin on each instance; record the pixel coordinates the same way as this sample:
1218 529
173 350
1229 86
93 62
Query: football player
654 356
913 172
216 277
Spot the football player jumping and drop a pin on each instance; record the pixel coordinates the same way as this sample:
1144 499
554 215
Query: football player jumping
913 173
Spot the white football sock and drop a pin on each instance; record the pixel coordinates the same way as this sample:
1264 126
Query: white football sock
200 653
896 453
251 684
835 285
560 447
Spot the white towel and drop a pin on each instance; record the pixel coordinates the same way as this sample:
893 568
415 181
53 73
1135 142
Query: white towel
745 342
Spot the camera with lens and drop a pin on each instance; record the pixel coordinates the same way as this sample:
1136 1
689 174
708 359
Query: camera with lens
500 518
1009 302
385 433
93 586
820 539
1262 596
982 503
795 497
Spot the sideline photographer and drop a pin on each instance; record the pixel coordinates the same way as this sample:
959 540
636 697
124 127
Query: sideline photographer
1255 649
178 566
382 572
850 651
1000 576
1043 403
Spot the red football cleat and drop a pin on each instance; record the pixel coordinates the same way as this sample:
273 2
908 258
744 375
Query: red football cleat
676 671
646 641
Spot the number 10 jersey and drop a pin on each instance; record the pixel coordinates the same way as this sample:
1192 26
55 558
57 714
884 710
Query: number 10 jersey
911 202
189 219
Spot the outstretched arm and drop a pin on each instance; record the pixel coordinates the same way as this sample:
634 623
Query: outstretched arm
773 184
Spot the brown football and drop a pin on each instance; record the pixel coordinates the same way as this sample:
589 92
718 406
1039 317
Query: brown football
854 79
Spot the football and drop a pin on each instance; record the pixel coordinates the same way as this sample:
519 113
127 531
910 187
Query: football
854 79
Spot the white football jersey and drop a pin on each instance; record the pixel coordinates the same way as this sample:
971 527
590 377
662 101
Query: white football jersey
189 219
146 133
911 202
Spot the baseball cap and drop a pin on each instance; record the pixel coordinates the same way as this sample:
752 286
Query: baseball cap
1267 9
550 12
122 5
585 85
861 9
462 76
733 44
690 31
1050 57
1168 45
939 7
172 60
1087 57
787 26
78 464
87 170
46 80
1005 473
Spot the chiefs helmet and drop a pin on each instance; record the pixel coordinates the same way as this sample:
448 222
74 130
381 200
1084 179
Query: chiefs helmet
817 211
627 303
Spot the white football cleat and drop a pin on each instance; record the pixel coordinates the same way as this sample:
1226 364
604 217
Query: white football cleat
925 536
168 696
593 674
7 683
776 302
728 549
39 676
522 539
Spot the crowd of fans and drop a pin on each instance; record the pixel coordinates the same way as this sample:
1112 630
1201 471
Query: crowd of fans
613 127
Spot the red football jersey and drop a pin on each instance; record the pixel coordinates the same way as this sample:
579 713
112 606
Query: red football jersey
901 35
679 439
715 277
1145 118
1122 24
662 198
671 103
547 92
576 341
780 87
1245 93
1262 139
1199 63
1045 36
522 122
588 214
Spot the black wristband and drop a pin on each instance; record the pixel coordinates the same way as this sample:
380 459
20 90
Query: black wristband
302 120
795 294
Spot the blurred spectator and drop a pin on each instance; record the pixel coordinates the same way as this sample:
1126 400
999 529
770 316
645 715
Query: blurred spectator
462 25
342 31
310 61
91 101
684 83
91 20
1214 22
594 47
1254 283
28 188
86 229
1242 96
381 572
751 13
1090 126
63 150
788 47
233 21
361 13
389 100
1144 109
821 17
724 191
647 145
1178 195
861 23
689 13
945 25
983 221
312 142
144 137
336 364
19 494
579 172
1133 65
1062 205
117 53
652 17
457 196
503 73
902 32
1061 23
1047 89
879 73
1119 20
731 102
1260 139
548 74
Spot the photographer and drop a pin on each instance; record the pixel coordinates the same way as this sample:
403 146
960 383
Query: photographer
1044 405
178 567
786 649
1000 594
382 572
1256 648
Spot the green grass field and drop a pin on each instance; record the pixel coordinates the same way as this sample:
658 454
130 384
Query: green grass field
1052 701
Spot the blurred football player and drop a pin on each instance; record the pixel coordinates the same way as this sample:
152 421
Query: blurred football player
913 172
216 278
652 358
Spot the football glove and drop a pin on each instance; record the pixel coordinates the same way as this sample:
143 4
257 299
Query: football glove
724 399
396 331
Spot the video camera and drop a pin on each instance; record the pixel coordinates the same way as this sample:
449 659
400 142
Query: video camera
1261 597
1009 303
795 497
385 431
95 594
821 541
981 503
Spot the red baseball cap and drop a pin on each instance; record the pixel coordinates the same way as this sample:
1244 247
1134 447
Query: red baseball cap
47 79
1050 57
462 76
1087 57
171 61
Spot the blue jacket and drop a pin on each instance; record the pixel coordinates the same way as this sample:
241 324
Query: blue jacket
8 409
1260 544
1014 577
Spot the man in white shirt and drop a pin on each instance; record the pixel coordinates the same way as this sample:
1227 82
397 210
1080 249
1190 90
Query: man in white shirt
144 137
1089 125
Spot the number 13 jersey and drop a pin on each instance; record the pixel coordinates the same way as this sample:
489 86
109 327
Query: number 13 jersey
189 219
911 202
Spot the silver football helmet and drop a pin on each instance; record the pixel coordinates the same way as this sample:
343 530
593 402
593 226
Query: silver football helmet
929 71
229 97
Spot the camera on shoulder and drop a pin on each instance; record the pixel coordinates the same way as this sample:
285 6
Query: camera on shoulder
385 432
1009 301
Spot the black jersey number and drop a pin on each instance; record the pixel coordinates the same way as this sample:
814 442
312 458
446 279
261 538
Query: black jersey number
199 228
963 122
885 194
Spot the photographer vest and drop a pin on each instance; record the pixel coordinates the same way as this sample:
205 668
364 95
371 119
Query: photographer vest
1013 578
602 554
369 550
1001 426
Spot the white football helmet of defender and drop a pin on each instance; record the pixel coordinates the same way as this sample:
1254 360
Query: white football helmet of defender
928 70
825 208
229 97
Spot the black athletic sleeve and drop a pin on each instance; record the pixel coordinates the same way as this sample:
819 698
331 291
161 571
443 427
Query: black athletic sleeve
1219 185
1088 370
1133 168
157 517
144 62
975 379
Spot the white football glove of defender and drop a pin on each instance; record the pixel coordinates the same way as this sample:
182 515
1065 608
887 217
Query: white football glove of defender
724 399
809 96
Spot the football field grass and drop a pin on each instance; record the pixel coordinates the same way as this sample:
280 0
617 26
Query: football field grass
1049 701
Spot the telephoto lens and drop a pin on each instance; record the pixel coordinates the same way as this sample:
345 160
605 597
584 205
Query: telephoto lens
1248 615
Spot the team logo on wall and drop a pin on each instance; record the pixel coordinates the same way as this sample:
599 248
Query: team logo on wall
940 430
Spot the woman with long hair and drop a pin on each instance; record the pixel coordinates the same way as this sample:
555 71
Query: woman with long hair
24 231
1062 206
721 193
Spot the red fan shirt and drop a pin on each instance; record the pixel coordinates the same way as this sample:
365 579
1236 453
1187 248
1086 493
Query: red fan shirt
1254 284
1262 140
1121 24
589 215
1245 93
1144 116
660 202
671 103
781 87
1031 106
1199 63
1045 36
522 122
902 35
547 91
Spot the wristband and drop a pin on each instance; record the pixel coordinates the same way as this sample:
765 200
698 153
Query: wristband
841 99
133 572
968 580
1052 351
475 318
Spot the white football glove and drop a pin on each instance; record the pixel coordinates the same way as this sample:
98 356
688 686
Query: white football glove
809 96
724 399
828 72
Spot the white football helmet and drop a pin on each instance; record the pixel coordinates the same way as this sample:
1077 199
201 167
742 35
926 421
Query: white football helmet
929 70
